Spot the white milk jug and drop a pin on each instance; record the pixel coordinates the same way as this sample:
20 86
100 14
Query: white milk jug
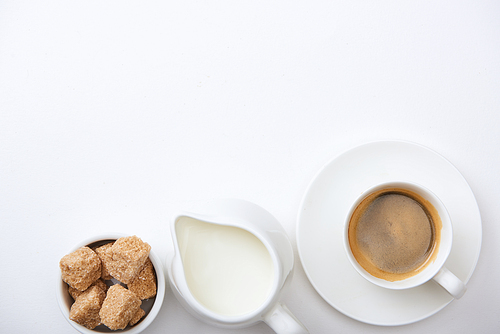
230 263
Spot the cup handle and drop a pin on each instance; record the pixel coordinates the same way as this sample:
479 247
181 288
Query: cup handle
282 321
450 283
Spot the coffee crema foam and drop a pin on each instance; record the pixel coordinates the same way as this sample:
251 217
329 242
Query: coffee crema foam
393 233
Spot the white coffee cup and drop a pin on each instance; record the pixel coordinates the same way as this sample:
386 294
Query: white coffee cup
435 268
208 277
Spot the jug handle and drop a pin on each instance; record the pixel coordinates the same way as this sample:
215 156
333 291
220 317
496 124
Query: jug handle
282 321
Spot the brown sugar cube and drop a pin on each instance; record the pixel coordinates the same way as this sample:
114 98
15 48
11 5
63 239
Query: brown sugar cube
138 316
100 283
119 307
105 259
85 309
144 285
128 255
75 292
80 268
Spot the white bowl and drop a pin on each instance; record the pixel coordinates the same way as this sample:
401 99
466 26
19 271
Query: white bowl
151 306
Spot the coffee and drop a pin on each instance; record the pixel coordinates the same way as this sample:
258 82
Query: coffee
394 233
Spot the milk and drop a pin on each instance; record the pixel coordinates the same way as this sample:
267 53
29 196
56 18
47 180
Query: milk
228 270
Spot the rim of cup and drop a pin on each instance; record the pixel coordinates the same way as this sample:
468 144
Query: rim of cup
444 245
65 301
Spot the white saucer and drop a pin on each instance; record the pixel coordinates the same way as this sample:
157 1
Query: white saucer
322 214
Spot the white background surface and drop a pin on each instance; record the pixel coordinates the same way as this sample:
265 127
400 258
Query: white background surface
115 113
